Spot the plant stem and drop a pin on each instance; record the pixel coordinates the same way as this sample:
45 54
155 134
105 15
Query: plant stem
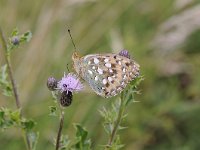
4 46
14 87
60 129
26 141
117 123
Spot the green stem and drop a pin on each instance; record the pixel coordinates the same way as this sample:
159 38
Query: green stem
7 58
14 87
26 141
117 123
60 128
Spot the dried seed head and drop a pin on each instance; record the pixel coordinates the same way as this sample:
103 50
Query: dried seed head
66 98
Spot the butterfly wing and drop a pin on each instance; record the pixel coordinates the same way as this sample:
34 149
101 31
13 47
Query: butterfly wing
108 74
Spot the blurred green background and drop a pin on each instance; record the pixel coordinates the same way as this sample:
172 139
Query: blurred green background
162 36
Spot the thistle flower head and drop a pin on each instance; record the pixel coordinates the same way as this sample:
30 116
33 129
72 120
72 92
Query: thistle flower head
69 82
124 53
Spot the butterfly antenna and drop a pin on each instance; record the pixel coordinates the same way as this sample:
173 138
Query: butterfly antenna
71 39
68 68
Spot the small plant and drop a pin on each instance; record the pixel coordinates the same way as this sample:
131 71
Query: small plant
107 75
113 116
14 118
62 92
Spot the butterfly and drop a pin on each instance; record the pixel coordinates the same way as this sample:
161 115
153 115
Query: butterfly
107 74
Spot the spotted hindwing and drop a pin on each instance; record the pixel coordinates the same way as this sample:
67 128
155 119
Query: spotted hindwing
108 74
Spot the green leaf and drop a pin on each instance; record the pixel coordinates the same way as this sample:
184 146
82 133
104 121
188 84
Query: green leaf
55 96
128 94
108 127
65 143
9 118
137 81
122 128
27 124
117 144
81 138
53 110
15 32
15 116
4 72
4 82
26 37
129 98
5 120
2 113
81 132
103 112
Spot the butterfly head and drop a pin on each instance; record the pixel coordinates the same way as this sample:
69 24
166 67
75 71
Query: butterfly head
75 56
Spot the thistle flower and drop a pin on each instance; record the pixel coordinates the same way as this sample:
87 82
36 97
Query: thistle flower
124 53
66 86
69 82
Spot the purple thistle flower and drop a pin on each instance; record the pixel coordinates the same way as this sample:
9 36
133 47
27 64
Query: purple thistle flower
69 82
124 53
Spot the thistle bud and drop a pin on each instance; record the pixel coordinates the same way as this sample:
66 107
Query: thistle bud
52 83
124 53
15 40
